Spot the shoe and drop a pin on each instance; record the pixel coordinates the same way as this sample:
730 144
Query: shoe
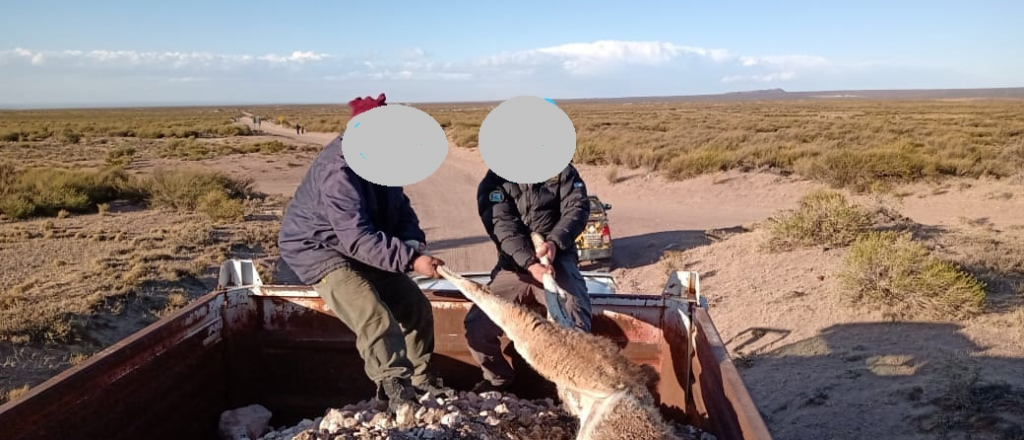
486 386
398 392
433 385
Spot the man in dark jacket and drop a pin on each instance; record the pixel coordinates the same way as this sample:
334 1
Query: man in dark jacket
558 210
352 240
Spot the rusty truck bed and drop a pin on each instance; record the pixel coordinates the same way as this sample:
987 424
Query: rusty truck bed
280 347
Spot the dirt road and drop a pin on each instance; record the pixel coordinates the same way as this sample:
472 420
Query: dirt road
649 214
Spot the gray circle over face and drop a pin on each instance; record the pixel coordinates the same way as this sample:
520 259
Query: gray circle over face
527 140
394 145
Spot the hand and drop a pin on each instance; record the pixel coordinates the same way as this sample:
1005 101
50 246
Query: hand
538 271
548 250
427 266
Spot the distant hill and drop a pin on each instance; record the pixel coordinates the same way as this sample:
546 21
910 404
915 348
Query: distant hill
781 95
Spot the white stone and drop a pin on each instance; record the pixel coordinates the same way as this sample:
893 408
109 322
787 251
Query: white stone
246 423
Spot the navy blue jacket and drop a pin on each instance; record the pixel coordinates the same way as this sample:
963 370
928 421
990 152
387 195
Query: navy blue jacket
338 219
558 209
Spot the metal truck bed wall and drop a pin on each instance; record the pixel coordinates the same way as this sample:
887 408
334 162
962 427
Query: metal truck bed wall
278 346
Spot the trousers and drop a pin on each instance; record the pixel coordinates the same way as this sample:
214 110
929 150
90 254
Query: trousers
391 318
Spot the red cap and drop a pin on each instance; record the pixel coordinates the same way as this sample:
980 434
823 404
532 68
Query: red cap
360 105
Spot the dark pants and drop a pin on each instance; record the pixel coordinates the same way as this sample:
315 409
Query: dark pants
484 336
392 321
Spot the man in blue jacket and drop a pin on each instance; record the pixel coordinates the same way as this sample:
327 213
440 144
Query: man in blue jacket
347 237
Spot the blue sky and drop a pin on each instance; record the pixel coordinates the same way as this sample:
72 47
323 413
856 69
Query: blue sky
113 52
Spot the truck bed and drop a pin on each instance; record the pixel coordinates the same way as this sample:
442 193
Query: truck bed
279 346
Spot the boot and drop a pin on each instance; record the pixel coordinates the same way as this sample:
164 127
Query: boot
434 386
486 386
398 392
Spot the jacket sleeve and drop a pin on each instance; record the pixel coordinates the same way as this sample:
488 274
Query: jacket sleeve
575 210
342 197
409 223
502 222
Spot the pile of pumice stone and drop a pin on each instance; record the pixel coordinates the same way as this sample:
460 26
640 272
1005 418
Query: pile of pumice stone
464 415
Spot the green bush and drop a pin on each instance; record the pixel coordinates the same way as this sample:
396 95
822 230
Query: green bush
70 137
47 191
11 136
861 170
698 162
120 156
889 269
182 189
219 206
16 207
822 218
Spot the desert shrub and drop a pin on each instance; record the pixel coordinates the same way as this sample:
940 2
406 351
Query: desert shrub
16 207
8 176
188 149
588 152
234 130
822 218
11 136
69 137
183 189
120 156
889 269
220 207
698 162
271 147
47 191
466 137
859 170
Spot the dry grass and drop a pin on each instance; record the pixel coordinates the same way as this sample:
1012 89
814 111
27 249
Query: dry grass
48 192
822 218
32 192
184 188
995 257
141 270
71 126
15 393
197 149
967 403
891 270
861 145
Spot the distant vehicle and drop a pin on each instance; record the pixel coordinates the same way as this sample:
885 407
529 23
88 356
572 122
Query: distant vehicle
595 243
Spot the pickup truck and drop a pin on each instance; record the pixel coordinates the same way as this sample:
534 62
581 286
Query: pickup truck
594 244
279 346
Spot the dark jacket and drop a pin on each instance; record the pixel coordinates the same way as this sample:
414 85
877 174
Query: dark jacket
338 219
557 209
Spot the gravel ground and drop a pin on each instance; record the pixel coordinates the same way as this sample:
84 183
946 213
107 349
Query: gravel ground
487 416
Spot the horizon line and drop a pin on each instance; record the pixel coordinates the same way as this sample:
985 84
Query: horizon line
755 92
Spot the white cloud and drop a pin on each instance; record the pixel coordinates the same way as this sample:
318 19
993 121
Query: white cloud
160 60
594 57
415 53
295 57
188 79
767 78
596 68
793 61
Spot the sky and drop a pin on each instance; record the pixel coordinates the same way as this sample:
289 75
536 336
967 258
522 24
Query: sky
74 53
